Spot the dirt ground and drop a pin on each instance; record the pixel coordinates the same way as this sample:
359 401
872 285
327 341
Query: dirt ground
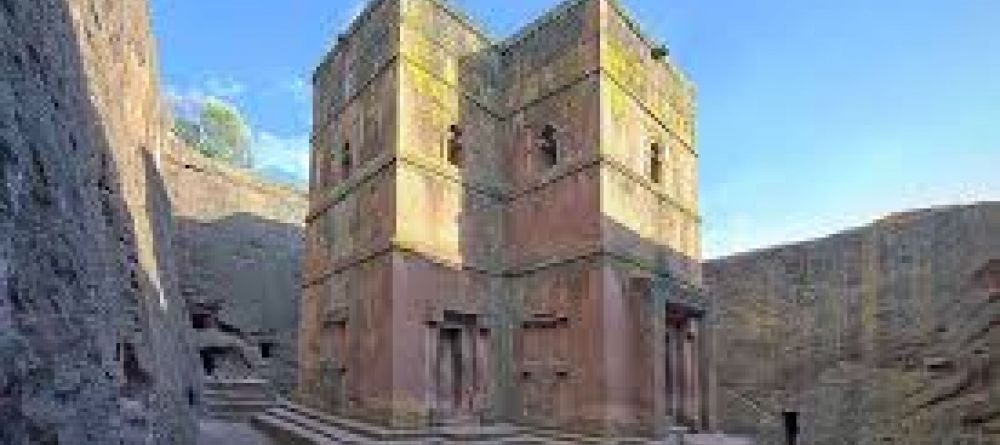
212 432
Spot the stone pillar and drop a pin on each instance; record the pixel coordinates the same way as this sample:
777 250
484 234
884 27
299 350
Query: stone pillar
677 370
445 371
482 375
467 343
693 384
684 381
658 346
706 376
432 351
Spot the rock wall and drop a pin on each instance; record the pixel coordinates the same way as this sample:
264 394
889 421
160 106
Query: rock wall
882 334
93 341
238 244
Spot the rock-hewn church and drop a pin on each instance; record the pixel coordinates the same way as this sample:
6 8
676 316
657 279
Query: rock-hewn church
504 230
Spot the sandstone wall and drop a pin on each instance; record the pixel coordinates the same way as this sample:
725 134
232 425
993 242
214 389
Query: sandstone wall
882 334
238 245
93 341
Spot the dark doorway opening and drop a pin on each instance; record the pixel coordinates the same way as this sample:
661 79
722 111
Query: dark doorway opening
208 361
457 360
266 349
452 341
791 419
201 321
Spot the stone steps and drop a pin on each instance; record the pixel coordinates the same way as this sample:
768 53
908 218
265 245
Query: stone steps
312 427
288 423
354 427
236 400
235 396
715 439
235 384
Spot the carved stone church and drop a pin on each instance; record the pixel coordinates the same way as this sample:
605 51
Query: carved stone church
503 247
504 231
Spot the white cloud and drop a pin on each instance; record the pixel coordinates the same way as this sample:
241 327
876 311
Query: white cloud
184 99
186 103
278 157
300 90
224 87
282 158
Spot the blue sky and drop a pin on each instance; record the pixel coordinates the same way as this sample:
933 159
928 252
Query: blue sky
814 115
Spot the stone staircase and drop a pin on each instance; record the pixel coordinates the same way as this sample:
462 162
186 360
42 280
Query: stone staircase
291 424
236 399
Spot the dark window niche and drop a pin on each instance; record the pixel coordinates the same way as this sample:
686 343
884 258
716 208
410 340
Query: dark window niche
346 162
659 52
456 150
655 163
549 147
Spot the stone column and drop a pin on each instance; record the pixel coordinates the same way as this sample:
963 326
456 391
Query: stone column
659 344
677 370
467 343
685 373
432 352
445 372
693 384
706 374
483 376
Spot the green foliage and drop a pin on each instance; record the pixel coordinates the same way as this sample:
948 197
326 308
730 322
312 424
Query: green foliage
220 132
188 131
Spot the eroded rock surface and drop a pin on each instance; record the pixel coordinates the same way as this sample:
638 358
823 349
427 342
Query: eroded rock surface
93 340
238 242
882 334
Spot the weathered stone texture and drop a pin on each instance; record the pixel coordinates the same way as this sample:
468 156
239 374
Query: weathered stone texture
882 334
238 245
488 239
93 341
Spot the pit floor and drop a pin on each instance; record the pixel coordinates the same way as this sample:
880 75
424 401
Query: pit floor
213 432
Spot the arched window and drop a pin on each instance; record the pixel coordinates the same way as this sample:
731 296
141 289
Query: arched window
346 161
549 147
455 149
655 163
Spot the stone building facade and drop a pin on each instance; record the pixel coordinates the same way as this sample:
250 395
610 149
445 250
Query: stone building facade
94 345
504 230
888 333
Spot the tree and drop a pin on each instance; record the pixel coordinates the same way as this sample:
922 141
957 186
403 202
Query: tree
219 132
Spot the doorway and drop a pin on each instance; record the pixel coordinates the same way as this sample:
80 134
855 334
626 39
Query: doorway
208 363
450 367
457 365
791 420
